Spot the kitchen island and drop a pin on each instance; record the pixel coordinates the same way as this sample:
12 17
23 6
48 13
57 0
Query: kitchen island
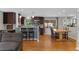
30 33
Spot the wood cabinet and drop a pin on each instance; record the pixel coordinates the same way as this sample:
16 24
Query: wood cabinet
9 18
22 20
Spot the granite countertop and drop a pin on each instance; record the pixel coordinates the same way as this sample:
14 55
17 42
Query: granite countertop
33 26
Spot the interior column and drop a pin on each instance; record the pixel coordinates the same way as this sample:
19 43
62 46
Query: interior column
16 20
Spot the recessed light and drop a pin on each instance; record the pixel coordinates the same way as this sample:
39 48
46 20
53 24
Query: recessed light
20 16
28 17
32 16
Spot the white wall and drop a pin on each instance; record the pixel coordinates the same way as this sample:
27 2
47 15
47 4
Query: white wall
73 33
60 22
1 21
77 43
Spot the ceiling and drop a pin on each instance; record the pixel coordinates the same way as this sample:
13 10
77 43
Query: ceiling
46 12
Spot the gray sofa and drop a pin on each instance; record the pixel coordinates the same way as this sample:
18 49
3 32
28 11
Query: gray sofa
10 41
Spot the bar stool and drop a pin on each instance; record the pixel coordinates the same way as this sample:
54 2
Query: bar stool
31 35
65 35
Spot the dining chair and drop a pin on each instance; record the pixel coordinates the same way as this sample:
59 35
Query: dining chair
54 35
65 35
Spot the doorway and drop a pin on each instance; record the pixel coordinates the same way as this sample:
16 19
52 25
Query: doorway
48 24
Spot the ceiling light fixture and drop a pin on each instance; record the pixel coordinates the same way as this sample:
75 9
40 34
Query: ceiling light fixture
32 16
20 16
28 17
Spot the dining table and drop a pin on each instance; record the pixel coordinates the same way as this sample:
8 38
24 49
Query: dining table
61 31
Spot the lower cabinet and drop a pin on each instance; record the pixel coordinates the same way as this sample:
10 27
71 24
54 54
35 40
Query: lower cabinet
30 33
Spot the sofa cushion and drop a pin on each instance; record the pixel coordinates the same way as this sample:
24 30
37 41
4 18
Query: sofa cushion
11 37
9 46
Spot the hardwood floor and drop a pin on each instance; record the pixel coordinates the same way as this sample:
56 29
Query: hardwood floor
46 43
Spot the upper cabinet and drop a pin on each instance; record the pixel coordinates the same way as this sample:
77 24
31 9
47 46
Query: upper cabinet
9 18
40 19
22 20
